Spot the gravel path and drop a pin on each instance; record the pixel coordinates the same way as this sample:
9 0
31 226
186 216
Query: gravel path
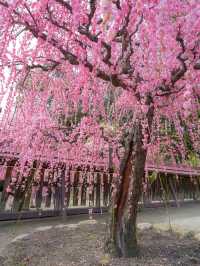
186 218
82 244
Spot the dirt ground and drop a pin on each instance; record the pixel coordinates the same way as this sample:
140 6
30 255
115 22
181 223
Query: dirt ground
82 245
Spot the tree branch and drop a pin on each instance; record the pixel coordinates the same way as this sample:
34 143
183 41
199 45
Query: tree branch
178 74
65 4
70 57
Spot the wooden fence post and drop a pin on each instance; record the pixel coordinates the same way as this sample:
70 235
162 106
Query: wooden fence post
63 207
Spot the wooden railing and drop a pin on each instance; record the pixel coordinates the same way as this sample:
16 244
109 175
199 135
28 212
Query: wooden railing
183 170
172 183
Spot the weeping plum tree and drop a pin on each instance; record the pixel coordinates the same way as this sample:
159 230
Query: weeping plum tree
58 56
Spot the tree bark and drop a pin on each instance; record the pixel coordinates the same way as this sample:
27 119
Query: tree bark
122 237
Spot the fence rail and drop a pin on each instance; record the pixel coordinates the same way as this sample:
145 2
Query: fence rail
183 170
171 184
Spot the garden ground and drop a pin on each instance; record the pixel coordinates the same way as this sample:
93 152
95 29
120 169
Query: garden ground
79 241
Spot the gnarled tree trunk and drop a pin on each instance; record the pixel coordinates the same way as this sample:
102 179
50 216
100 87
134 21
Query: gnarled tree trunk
122 238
